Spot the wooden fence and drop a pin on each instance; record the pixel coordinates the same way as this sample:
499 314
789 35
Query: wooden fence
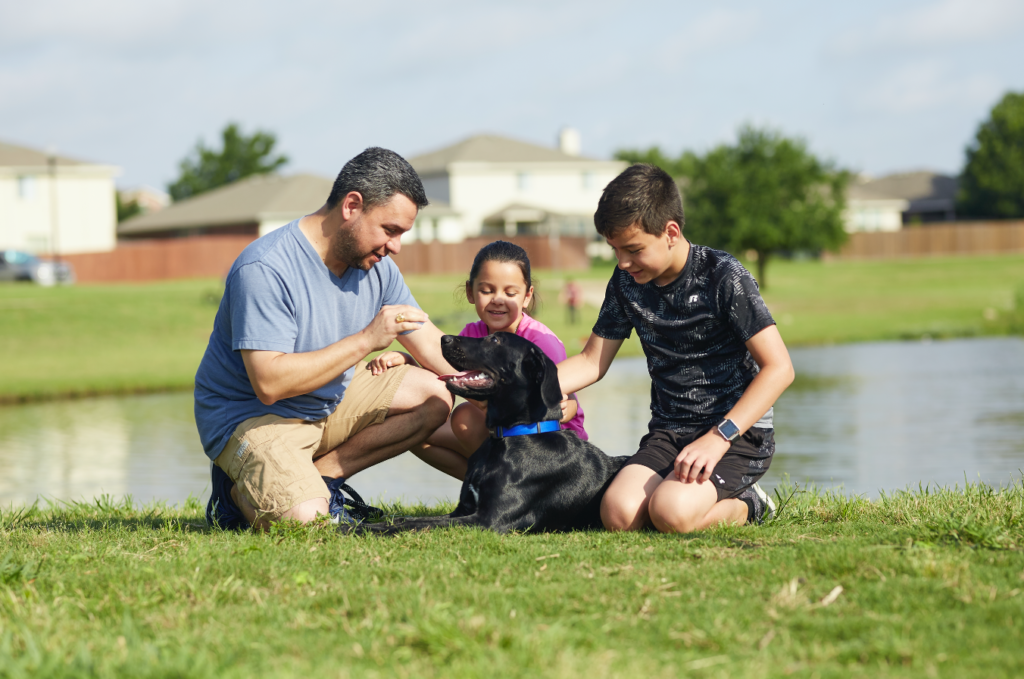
956 238
212 256
160 259
444 258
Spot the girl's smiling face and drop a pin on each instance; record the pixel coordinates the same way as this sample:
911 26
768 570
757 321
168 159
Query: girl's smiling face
500 294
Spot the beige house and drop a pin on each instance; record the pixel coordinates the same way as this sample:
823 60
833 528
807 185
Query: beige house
891 202
55 205
253 206
494 186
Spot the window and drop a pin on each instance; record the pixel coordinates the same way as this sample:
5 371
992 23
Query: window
523 179
26 187
588 180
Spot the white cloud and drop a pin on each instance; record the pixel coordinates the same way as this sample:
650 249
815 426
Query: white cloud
717 29
935 25
925 86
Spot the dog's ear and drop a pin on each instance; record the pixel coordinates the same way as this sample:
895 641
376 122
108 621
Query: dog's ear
546 375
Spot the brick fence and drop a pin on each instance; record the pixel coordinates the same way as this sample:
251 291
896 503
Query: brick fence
957 238
211 257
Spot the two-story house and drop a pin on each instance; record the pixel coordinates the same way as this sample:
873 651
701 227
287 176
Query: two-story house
55 205
488 185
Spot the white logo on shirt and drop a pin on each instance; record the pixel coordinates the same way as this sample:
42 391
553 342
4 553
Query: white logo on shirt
693 298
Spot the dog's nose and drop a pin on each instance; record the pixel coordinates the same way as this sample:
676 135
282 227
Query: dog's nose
447 339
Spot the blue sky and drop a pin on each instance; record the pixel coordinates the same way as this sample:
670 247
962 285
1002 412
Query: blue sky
876 86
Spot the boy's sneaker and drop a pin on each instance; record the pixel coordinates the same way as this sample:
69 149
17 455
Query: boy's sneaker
768 513
221 510
348 510
760 506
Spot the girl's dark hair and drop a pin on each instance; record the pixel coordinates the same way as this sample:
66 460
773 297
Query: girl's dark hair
503 251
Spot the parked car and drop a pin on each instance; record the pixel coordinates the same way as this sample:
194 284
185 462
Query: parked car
22 266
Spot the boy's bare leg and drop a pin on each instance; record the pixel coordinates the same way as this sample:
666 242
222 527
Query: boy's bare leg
678 507
419 407
624 505
443 452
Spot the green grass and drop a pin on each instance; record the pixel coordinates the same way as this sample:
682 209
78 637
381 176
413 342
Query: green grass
82 340
931 586
108 339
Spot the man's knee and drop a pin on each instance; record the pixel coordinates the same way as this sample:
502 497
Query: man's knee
424 392
307 511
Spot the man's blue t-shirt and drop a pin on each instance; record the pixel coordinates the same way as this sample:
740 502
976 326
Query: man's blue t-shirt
280 296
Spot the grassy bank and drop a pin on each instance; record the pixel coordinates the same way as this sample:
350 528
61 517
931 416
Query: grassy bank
930 586
124 338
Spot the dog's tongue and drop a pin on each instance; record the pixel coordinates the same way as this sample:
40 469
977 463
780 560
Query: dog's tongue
445 378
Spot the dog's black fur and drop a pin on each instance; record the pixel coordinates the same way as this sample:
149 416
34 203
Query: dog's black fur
540 482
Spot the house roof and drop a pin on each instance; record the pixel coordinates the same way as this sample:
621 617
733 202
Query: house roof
12 155
249 200
911 186
488 148
437 208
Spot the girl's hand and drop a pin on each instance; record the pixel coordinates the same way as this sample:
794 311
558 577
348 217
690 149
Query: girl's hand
389 359
569 409
696 461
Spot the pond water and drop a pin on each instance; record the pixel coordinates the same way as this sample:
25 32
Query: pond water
863 417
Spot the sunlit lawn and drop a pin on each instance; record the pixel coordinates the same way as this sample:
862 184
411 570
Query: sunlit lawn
917 584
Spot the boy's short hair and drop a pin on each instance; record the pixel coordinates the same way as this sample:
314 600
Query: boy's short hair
642 194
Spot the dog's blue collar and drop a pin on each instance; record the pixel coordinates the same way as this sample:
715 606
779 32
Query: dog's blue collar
523 429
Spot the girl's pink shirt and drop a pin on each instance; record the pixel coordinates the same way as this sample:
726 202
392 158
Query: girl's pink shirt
539 334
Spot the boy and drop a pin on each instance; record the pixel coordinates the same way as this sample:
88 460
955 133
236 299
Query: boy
716 359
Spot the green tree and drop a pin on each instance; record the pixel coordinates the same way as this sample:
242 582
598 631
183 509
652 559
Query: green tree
126 209
767 193
677 167
240 156
992 182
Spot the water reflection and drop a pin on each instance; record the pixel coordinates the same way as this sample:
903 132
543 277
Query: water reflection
867 417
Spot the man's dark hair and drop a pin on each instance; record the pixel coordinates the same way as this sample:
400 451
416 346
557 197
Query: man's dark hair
378 174
642 194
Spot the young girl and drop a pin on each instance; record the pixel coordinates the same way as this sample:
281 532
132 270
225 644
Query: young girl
501 290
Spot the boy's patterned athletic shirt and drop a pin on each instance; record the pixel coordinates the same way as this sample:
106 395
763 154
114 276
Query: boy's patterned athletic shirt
693 332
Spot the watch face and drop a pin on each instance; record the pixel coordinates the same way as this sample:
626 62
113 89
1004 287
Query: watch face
729 429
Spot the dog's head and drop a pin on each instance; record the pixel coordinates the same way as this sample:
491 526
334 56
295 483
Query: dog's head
518 381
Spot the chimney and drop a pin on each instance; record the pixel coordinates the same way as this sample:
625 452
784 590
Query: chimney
569 141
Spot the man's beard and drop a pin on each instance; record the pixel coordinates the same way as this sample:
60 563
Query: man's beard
346 250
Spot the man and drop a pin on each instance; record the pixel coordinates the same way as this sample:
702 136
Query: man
284 405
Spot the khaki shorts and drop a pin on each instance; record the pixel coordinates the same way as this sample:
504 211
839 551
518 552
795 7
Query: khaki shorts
270 458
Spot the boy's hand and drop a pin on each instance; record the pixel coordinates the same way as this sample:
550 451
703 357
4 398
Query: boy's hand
702 454
388 359
569 409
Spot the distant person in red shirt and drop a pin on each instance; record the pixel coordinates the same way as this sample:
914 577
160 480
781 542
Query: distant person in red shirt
573 299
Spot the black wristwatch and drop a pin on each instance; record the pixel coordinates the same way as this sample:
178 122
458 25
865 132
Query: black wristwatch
728 430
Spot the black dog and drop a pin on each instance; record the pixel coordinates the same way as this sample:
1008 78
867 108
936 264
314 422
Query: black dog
549 481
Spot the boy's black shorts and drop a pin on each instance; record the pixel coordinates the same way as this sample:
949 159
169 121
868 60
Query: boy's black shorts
741 466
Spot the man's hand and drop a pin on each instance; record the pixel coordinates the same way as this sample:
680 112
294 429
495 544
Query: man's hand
702 454
389 322
389 359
